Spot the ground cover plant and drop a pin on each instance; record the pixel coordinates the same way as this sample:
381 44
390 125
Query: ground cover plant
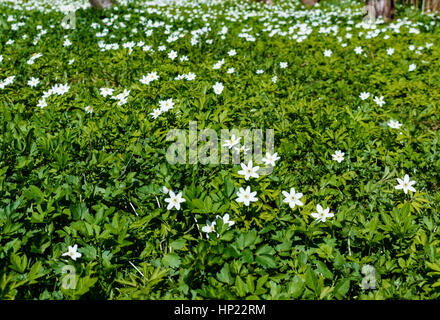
91 208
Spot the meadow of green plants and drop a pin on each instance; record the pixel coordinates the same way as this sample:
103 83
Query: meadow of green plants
90 208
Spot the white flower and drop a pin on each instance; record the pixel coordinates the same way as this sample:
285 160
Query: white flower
226 220
270 159
379 101
242 149
358 50
292 198
405 184
8 80
283 65
231 142
364 95
33 82
42 103
190 76
246 196
259 71
153 76
338 156
149 77
249 171
122 101
47 94
33 57
144 80
230 70
106 92
232 53
210 227
172 55
72 252
322 215
390 51
88 109
122 95
165 190
36 55
174 200
218 87
328 53
156 112
71 61
67 43
218 65
62 89
194 41
412 67
411 47
394 124
274 79
161 48
166 105
1 58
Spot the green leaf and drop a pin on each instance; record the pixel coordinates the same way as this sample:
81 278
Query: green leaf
79 211
178 244
247 256
312 281
266 261
250 238
224 275
239 285
265 250
296 287
250 283
18 264
229 186
260 283
34 193
35 272
341 288
171 260
322 268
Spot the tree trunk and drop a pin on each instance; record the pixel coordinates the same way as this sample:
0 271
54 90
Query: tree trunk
102 4
433 5
381 8
310 2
